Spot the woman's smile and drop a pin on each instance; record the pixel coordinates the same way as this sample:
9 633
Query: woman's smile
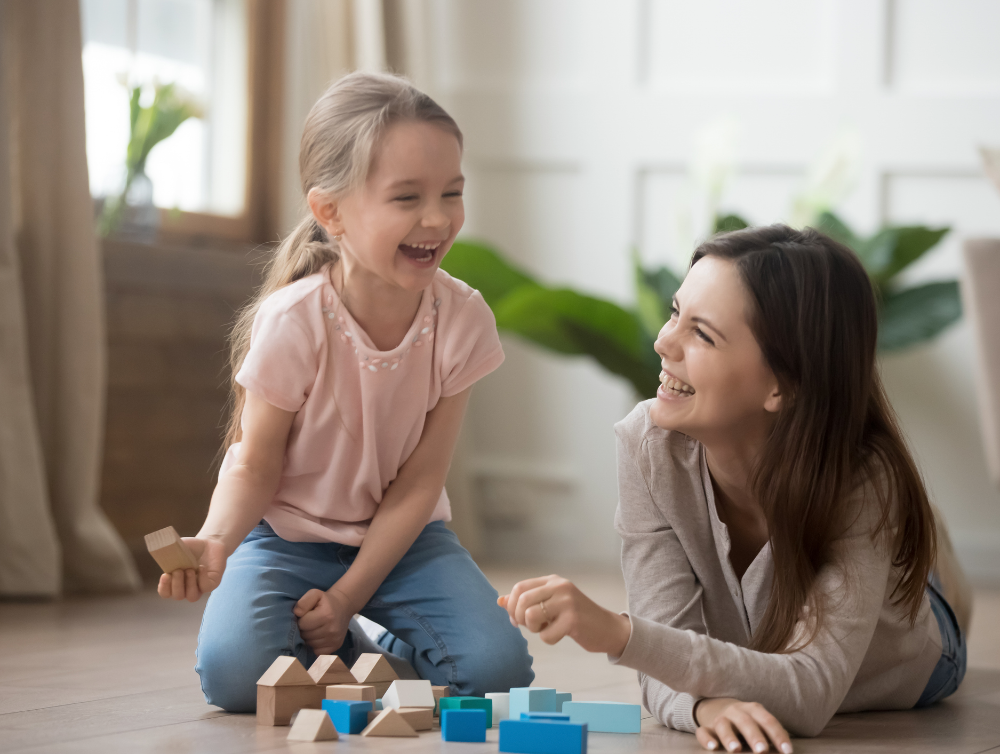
673 389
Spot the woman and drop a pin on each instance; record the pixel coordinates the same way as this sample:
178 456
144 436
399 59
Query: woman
777 539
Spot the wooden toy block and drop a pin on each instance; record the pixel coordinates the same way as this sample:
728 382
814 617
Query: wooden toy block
538 737
561 699
439 692
389 722
347 716
312 725
552 717
469 702
531 699
330 669
286 671
605 717
501 705
170 553
373 668
409 694
467 725
419 718
277 704
355 692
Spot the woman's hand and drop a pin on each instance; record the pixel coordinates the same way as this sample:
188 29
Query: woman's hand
190 584
723 721
553 608
323 619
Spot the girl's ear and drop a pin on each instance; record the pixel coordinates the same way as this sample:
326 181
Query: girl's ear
326 210
772 404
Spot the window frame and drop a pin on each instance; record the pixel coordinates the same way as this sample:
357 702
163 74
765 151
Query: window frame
258 223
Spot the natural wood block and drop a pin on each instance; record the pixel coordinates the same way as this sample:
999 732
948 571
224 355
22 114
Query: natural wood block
381 687
286 671
313 725
372 667
277 704
419 718
169 551
389 722
439 691
330 669
355 692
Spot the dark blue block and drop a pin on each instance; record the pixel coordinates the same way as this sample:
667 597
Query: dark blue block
542 717
542 737
347 716
467 725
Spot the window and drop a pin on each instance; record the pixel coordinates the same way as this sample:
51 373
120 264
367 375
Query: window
217 52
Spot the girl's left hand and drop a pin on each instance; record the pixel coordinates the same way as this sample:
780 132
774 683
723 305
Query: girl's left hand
323 619
722 722
553 608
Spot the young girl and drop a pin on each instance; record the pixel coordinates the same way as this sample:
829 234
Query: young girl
353 367
777 538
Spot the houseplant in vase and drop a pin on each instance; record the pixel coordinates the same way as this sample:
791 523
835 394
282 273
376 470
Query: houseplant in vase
148 126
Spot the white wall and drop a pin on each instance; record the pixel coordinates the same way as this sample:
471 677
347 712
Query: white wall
581 116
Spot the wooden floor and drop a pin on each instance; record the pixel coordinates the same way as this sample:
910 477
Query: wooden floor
115 675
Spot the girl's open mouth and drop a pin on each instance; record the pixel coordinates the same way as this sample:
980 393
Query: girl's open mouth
421 253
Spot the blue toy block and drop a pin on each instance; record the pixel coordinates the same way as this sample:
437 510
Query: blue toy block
552 717
468 725
562 698
531 699
348 716
605 717
469 702
537 737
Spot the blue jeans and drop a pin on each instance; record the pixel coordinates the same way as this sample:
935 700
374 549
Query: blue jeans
950 669
438 607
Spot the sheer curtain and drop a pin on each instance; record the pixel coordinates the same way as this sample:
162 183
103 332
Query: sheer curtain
53 535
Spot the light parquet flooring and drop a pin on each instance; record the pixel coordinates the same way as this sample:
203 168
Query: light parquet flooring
116 675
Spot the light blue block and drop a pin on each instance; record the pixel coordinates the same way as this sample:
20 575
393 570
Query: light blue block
468 725
605 717
562 698
531 699
536 737
542 717
378 704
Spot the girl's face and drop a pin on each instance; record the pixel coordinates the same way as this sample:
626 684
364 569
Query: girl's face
715 383
402 222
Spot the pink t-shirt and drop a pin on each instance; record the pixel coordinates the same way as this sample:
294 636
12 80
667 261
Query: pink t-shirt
359 411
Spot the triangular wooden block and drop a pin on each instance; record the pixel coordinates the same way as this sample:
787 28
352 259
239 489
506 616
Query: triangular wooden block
313 725
330 669
372 667
286 671
389 723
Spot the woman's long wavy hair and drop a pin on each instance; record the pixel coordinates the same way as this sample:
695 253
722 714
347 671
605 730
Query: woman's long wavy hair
339 141
814 314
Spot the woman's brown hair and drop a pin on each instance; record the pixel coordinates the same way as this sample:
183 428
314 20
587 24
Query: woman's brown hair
815 316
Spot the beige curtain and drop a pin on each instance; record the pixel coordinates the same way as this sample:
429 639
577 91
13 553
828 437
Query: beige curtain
53 535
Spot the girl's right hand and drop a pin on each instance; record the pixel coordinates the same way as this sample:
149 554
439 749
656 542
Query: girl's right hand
189 585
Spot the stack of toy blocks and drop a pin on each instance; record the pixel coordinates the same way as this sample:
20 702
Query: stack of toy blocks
413 700
374 670
468 702
283 690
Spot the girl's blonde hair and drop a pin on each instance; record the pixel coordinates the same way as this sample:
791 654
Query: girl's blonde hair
339 142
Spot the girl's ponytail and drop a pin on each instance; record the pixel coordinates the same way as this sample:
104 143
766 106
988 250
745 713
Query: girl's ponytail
339 140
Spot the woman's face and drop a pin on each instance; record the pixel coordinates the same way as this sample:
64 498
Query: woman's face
715 383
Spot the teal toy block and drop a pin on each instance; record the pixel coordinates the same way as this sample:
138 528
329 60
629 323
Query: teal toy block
469 702
468 725
605 717
378 704
347 716
542 717
538 737
562 698
531 699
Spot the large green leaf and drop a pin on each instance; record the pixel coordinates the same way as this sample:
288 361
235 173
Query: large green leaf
837 229
730 222
910 243
918 314
655 291
485 270
642 372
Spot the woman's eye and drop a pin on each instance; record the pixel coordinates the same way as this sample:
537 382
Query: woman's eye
703 336
673 312
407 198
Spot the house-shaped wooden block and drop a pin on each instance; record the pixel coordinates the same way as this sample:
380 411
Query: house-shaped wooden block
330 669
283 690
373 669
